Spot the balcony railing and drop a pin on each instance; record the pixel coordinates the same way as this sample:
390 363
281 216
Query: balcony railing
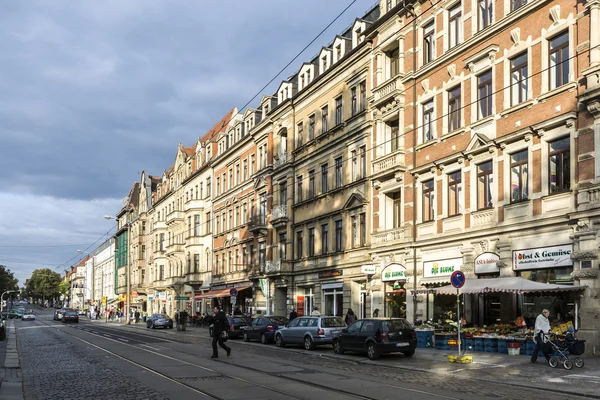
272 267
483 217
174 248
195 204
194 278
390 236
175 216
388 163
588 196
174 281
388 88
280 160
160 225
279 211
257 222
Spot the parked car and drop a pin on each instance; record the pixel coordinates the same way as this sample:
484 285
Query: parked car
310 331
58 314
264 328
70 316
376 336
20 311
156 320
10 314
28 316
237 323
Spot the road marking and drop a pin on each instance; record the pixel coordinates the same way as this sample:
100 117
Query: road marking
123 340
149 347
583 376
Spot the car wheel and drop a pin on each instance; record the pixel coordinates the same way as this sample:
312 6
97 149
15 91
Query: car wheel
337 347
372 352
409 353
308 343
152 326
148 325
263 339
279 341
246 338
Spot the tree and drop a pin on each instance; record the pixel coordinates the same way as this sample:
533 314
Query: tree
7 280
43 283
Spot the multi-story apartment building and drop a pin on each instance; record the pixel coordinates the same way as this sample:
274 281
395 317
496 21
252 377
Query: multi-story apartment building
103 276
322 211
127 216
483 159
78 284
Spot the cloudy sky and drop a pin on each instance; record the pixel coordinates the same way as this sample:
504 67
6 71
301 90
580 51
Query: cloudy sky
94 93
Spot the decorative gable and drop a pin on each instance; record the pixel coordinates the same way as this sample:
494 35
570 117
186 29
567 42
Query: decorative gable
306 75
357 32
325 60
340 47
355 200
284 92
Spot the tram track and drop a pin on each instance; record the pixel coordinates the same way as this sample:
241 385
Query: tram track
143 346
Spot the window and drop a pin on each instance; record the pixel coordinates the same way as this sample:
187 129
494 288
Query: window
338 52
196 262
519 186
324 119
560 165
394 57
354 99
363 96
282 242
354 231
224 182
252 164
299 244
363 229
311 127
230 219
485 180
208 223
197 225
396 198
485 11
484 94
363 161
338 172
208 188
324 239
338 235
455 22
299 188
300 135
454 193
394 134
338 110
282 193
323 64
388 5
237 174
428 123
518 79
428 201
516 4
311 184
218 186
231 183
237 216
429 42
354 165
454 106
324 178
559 60
245 170
311 242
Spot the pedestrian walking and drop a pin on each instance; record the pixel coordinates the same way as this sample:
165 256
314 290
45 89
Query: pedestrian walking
376 313
315 312
350 317
293 315
137 316
542 328
220 324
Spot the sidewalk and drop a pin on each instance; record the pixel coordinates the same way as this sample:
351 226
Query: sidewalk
11 380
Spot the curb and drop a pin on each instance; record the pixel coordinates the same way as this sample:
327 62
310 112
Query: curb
11 386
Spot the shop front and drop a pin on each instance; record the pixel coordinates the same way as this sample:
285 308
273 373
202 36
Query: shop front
227 299
393 278
435 274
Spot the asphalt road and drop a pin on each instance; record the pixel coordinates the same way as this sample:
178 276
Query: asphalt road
96 360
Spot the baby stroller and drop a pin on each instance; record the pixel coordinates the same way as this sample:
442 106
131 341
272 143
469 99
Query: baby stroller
563 347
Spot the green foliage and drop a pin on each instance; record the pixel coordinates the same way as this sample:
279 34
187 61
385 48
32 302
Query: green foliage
43 283
7 280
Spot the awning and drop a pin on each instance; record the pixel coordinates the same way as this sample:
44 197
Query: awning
507 285
213 294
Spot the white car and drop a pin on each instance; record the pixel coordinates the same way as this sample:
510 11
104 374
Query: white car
28 316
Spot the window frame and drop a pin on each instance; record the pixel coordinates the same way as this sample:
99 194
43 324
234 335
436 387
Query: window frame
455 188
486 100
561 78
429 42
485 181
519 88
523 171
563 176
428 194
455 32
454 108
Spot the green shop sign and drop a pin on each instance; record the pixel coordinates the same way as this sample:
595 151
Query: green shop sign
393 272
432 269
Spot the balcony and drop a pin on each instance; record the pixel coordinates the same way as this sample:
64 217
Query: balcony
588 196
174 248
279 217
159 284
390 237
194 279
482 217
195 204
175 216
387 91
174 281
258 224
272 267
160 225
280 160
387 166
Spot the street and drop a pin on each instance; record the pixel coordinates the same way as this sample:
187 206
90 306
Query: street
99 360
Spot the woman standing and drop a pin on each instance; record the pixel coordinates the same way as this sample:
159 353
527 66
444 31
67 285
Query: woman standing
350 317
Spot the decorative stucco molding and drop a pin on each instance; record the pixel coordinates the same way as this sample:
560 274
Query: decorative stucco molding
585 274
584 255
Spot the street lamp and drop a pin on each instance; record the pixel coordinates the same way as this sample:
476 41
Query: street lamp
127 271
2 297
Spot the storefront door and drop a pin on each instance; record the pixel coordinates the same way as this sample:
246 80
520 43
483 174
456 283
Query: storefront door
334 302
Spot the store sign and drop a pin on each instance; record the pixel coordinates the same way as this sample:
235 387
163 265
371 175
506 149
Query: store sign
331 274
300 306
543 257
486 263
393 272
162 296
368 269
433 269
150 297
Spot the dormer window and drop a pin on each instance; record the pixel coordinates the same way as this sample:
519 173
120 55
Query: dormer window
357 33
338 52
323 64
301 82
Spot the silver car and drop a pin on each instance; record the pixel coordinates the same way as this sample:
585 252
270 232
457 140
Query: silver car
310 331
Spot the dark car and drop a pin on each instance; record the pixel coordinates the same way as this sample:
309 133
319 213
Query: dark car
10 314
310 331
377 336
70 316
156 320
264 328
237 323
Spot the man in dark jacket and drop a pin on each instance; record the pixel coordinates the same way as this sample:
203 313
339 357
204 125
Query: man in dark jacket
293 315
220 324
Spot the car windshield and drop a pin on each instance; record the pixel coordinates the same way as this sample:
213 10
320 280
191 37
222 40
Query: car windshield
70 313
240 321
163 316
332 322
279 320
396 325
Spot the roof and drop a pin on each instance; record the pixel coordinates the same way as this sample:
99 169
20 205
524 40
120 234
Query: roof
219 126
189 151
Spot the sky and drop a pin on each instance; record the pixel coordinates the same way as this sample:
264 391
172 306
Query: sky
94 93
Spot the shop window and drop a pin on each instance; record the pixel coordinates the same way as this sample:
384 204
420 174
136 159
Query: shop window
485 181
560 165
308 300
519 173
333 302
